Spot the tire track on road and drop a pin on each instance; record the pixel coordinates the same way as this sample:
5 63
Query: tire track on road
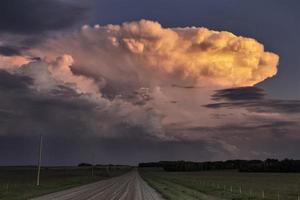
126 187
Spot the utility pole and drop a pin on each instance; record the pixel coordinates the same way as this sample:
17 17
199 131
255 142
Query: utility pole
93 170
40 161
93 161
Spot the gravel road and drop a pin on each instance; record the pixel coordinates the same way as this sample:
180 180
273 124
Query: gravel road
126 187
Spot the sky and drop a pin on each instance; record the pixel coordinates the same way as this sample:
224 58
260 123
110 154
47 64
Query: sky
129 81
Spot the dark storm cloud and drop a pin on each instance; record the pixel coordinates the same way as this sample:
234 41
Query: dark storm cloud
242 93
184 86
67 123
252 99
10 51
260 124
280 106
36 16
257 137
9 82
63 112
26 112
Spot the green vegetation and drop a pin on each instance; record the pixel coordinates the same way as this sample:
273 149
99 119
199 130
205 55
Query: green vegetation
18 183
226 184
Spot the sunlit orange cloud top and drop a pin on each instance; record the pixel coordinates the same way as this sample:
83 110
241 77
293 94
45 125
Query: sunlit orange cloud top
13 62
154 55
199 55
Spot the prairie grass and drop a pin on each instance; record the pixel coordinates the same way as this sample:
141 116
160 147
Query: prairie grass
227 184
18 183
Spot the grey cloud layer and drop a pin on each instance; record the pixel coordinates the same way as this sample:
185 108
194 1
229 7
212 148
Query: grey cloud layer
252 98
10 51
63 112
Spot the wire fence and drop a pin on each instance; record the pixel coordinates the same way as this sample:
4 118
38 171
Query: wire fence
243 192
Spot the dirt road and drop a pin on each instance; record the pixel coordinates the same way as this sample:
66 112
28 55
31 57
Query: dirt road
127 187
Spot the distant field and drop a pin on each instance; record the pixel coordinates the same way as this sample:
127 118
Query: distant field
224 185
18 183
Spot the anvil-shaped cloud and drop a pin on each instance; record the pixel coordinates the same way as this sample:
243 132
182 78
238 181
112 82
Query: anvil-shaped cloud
146 52
140 79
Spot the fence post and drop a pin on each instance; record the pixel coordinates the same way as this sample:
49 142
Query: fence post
278 196
230 188
240 189
298 198
263 194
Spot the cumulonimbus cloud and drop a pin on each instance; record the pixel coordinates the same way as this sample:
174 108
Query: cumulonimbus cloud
141 80
145 54
145 50
148 69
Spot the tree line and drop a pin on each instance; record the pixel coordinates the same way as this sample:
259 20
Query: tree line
268 165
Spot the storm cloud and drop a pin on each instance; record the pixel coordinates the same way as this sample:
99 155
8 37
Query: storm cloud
10 51
142 82
63 112
145 50
253 99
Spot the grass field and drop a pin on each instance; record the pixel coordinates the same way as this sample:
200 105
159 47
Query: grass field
18 183
224 185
